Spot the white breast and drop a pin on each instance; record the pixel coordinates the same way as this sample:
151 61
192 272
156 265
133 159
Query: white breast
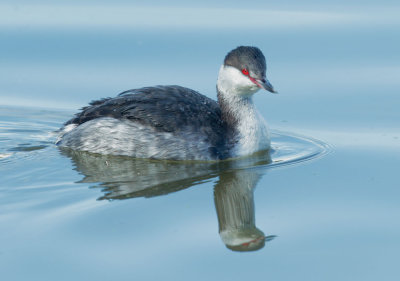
253 133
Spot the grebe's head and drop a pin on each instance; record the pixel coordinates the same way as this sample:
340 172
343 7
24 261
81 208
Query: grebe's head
244 72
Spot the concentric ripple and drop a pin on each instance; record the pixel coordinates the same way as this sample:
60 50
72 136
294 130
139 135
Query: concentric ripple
288 148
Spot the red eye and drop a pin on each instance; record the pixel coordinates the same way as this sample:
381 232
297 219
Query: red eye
245 71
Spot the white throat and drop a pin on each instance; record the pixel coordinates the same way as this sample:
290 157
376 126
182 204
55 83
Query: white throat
235 95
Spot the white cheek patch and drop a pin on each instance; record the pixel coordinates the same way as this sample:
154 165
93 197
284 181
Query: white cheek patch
231 80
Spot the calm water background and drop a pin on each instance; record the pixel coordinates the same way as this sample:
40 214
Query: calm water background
337 68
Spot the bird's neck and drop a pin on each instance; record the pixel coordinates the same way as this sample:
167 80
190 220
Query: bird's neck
233 107
233 99
242 118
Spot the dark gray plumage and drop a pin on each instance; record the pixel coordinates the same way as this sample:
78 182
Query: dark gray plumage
172 109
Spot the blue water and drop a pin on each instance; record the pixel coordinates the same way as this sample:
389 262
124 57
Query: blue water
326 198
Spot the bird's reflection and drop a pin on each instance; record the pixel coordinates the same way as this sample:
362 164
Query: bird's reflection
234 202
125 177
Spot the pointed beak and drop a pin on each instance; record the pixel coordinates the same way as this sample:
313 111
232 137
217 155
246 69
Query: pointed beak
266 85
263 84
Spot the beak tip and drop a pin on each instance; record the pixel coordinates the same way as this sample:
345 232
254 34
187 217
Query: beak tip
271 90
266 85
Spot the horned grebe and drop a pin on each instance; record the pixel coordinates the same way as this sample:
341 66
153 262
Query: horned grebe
173 122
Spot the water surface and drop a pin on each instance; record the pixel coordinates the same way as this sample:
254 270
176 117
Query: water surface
78 216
